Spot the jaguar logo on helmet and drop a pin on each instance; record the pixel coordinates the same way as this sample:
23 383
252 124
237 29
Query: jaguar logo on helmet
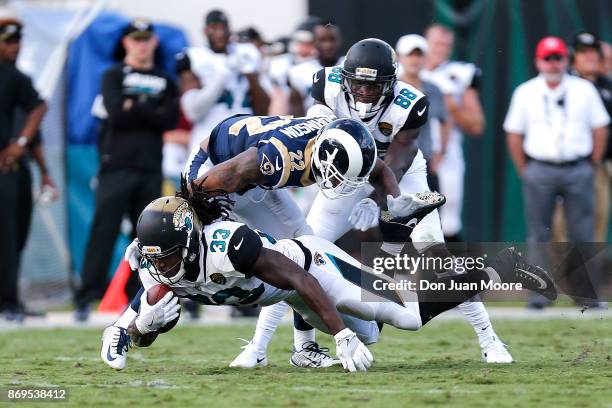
182 219
169 233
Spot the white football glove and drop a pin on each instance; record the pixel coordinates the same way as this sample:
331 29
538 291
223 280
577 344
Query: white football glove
152 318
353 354
400 206
132 255
365 215
444 84
245 59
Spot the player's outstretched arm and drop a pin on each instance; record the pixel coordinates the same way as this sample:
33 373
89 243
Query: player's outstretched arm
279 271
233 175
468 116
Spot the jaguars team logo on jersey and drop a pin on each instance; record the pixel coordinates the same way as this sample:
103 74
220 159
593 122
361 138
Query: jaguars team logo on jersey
217 278
182 219
318 259
385 128
266 167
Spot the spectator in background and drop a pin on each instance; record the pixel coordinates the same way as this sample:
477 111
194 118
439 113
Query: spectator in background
328 43
606 68
301 49
252 35
459 82
141 102
433 138
588 60
16 92
220 80
176 143
556 129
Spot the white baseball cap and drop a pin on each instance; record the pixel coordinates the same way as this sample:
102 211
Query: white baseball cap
408 43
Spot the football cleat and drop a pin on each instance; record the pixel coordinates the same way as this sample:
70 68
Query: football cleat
512 268
312 356
416 206
115 344
494 351
250 357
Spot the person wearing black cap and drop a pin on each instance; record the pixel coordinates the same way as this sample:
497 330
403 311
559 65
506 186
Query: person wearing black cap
220 80
587 60
16 93
139 102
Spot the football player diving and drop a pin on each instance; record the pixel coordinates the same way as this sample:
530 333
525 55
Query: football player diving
188 243
365 88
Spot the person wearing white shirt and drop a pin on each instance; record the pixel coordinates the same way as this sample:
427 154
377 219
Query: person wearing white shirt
459 82
556 131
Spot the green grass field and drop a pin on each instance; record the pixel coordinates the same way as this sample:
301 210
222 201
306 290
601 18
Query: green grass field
559 363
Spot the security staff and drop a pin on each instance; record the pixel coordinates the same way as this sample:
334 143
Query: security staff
16 92
141 102
556 132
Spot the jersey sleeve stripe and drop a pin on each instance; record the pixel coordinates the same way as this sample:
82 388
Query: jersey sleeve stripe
305 179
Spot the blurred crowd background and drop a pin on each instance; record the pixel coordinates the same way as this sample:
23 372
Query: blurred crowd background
67 48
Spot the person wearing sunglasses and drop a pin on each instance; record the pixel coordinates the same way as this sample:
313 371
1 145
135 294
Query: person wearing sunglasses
556 132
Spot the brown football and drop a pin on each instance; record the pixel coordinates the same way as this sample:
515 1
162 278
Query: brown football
154 295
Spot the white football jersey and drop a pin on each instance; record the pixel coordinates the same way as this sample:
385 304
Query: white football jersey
407 108
227 249
234 98
300 78
279 67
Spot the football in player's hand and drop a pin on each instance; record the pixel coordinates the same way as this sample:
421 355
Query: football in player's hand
154 295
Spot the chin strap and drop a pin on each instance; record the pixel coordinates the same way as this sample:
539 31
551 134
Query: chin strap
363 109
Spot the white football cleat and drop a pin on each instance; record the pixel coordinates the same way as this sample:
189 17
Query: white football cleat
250 357
115 343
312 356
494 351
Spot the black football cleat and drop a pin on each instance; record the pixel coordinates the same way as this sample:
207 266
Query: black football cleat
513 268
